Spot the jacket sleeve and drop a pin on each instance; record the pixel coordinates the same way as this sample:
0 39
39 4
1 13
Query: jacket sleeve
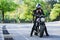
34 13
43 13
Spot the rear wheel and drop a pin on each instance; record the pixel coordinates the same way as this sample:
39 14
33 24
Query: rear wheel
37 31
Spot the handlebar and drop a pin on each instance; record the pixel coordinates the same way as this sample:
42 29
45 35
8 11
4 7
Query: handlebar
39 15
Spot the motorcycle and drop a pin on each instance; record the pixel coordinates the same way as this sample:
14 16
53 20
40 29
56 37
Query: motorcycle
39 30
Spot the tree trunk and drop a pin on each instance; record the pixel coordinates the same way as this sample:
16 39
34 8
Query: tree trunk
3 16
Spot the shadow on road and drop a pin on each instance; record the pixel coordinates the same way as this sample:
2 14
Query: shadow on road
52 36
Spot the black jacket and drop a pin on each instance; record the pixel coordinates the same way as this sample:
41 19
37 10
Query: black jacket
35 13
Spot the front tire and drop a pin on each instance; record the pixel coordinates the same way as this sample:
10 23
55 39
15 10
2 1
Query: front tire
41 30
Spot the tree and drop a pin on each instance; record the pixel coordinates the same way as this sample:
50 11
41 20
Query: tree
7 6
51 2
55 12
49 6
29 6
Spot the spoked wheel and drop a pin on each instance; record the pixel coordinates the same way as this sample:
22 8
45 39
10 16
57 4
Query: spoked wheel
37 31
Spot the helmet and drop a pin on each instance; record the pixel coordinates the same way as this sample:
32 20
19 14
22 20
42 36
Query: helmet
38 6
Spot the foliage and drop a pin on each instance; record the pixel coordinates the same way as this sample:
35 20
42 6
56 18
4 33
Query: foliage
28 7
55 12
25 10
7 6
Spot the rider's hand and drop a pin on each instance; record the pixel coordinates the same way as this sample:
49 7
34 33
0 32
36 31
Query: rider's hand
36 11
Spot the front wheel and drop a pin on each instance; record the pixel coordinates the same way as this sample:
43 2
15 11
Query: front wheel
42 27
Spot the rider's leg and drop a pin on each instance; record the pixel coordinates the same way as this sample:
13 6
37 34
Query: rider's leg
46 31
33 28
32 32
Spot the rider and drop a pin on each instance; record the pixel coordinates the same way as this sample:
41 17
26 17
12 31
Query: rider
38 11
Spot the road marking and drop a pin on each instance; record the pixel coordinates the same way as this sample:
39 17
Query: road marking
23 36
2 33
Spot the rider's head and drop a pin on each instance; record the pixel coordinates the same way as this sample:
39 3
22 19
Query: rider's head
38 6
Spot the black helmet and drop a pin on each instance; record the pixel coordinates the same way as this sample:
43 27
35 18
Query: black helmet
38 6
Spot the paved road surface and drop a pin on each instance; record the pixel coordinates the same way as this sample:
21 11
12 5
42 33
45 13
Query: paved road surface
1 33
22 31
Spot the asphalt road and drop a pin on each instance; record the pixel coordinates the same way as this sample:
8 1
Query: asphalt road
22 31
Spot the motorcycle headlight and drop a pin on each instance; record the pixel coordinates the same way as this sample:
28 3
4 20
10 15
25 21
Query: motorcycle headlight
42 19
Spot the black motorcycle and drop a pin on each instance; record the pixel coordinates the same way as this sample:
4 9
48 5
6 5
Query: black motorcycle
39 30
